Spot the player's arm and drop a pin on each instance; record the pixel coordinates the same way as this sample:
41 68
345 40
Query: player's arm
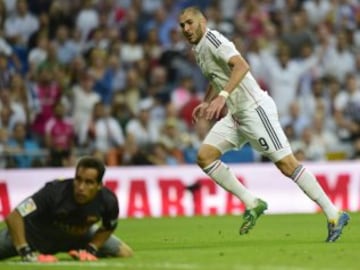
239 67
199 110
15 224
100 236
16 227
109 224
209 94
89 253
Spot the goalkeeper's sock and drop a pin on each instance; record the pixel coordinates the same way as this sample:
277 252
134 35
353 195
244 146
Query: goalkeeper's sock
310 186
225 177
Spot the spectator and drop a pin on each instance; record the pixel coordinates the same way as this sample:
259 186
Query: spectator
20 26
121 111
87 19
298 34
194 139
339 53
47 92
44 30
160 155
6 71
283 76
4 137
171 137
102 74
132 91
118 73
24 152
152 47
141 128
295 118
106 134
316 10
59 137
347 110
131 50
21 96
65 47
13 111
38 54
323 136
83 99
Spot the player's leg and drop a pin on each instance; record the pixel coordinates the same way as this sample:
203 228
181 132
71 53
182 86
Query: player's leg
222 138
274 144
114 247
290 167
7 249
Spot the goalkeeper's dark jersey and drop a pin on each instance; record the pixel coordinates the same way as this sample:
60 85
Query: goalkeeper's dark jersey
52 215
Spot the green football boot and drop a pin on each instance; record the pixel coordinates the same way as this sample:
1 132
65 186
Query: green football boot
251 215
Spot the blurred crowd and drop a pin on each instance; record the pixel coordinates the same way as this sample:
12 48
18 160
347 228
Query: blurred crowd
115 78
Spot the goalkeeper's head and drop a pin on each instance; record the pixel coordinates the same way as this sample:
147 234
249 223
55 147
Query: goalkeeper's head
94 163
88 179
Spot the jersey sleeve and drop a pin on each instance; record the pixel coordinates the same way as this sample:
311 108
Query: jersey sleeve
220 46
111 214
39 203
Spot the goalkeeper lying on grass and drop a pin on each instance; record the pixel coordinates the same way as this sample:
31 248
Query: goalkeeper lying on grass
61 217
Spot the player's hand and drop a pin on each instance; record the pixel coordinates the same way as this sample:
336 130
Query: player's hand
46 258
87 254
199 111
215 109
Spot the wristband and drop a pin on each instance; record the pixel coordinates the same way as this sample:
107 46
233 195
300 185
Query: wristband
91 248
224 94
26 253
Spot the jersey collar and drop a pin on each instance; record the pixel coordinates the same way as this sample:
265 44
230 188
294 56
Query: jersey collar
197 47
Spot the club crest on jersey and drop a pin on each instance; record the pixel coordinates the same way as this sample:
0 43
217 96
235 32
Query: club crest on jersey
26 207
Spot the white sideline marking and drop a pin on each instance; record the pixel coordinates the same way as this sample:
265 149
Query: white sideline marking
157 265
113 264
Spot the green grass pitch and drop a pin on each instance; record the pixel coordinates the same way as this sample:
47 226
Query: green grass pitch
278 242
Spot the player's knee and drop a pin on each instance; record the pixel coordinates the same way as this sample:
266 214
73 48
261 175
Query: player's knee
287 165
206 155
125 251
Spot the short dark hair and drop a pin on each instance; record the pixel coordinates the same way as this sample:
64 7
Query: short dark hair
195 10
94 163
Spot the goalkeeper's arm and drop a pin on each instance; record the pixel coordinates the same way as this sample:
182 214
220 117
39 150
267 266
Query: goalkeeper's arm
15 224
89 253
101 235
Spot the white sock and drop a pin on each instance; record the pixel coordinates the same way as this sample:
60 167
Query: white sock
308 183
225 177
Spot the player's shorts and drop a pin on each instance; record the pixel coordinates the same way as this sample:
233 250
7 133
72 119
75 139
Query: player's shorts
111 247
259 126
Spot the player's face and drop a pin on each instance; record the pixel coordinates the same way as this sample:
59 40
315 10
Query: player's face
192 26
86 185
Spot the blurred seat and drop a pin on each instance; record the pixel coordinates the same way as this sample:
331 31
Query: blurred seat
244 155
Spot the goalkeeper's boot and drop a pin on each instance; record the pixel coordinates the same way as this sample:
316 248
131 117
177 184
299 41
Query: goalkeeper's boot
251 215
335 227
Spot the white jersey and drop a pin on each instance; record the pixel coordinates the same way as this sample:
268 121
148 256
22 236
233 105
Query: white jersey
212 54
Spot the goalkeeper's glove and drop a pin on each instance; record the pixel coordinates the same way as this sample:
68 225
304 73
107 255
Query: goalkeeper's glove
27 254
87 254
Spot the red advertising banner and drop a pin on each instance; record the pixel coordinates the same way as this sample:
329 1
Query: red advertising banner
186 190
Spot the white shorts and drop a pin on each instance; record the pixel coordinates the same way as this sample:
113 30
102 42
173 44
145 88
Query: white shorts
260 127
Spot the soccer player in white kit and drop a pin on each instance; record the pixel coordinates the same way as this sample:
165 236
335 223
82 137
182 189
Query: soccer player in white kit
252 117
